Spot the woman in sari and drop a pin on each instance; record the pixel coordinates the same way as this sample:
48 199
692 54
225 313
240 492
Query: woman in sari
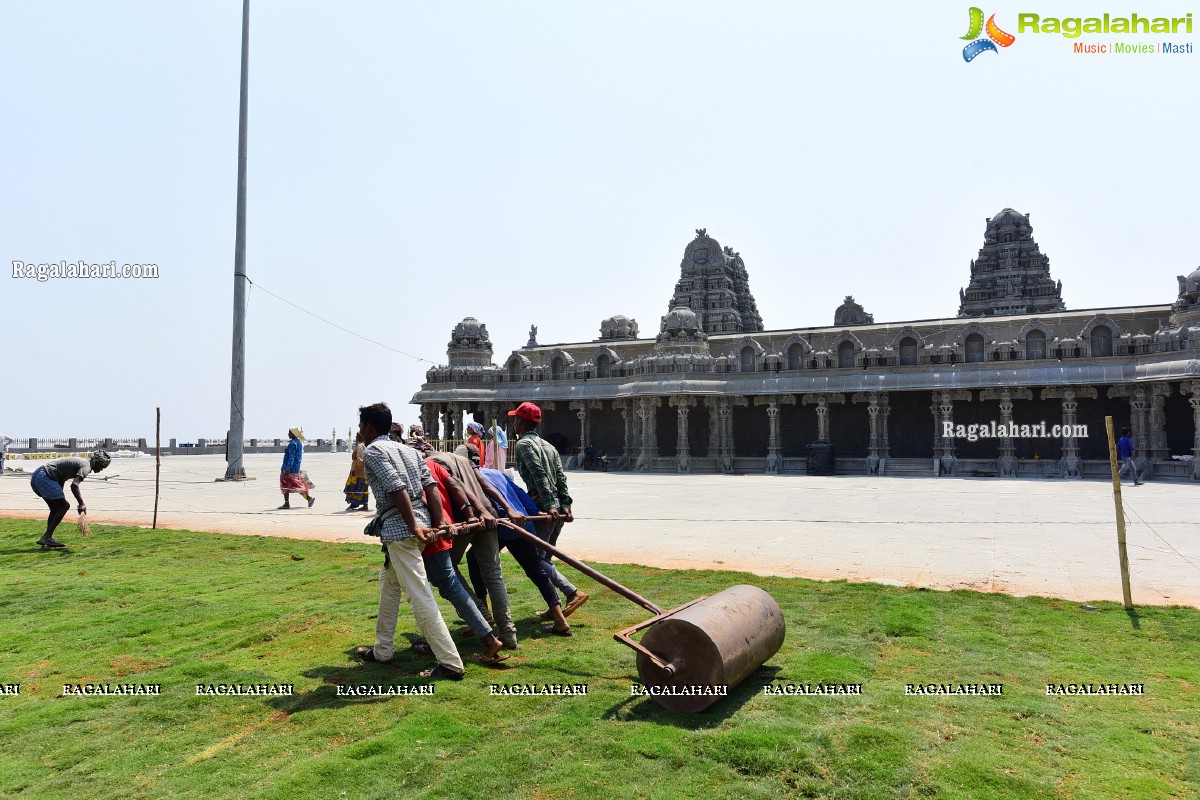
290 477
497 449
356 482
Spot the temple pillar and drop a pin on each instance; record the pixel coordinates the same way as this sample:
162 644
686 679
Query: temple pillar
725 446
774 442
1139 407
580 407
648 450
629 418
1193 388
1008 451
943 415
877 439
1157 435
885 445
822 418
714 428
683 457
1072 467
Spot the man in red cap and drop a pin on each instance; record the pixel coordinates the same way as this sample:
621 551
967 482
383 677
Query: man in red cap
541 468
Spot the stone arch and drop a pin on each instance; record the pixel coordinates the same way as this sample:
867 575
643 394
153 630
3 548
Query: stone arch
561 365
515 367
747 354
1107 343
845 357
604 362
1047 337
971 329
907 347
909 332
793 351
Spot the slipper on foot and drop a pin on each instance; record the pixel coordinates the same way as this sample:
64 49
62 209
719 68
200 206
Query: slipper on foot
442 672
368 654
556 632
496 659
422 648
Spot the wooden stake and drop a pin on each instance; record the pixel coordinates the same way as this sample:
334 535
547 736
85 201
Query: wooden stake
157 460
1116 479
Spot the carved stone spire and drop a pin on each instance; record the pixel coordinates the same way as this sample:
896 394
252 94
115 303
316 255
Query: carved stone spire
1010 276
714 283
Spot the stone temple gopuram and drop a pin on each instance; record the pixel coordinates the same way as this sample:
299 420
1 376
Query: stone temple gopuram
712 391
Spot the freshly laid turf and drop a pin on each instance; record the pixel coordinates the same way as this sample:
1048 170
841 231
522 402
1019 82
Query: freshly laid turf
179 609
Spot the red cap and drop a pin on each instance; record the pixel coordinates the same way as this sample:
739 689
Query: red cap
527 411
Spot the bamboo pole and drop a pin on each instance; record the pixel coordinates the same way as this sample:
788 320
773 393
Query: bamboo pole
1116 479
157 461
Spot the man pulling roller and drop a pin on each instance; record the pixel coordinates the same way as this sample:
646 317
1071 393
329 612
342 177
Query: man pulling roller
48 481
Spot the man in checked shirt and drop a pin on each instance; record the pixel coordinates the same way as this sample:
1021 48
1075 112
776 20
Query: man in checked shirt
541 468
409 506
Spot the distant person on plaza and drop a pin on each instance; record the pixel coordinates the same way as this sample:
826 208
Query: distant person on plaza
540 467
517 505
290 479
1125 451
497 449
356 482
4 443
48 481
408 508
475 435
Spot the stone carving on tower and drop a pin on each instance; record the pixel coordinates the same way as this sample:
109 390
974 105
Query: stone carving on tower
851 313
619 327
469 345
713 282
1011 275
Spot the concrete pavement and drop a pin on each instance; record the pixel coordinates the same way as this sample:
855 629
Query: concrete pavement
1038 536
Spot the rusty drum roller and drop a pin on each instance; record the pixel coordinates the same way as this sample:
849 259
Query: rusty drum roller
712 643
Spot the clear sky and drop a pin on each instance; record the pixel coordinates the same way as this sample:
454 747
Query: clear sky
539 162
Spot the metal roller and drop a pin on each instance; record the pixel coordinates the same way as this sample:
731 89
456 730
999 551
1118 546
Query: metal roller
717 641
711 643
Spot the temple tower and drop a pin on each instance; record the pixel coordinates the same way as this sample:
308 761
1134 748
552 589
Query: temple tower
1010 276
714 283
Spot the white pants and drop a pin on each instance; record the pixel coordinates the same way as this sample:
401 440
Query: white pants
405 572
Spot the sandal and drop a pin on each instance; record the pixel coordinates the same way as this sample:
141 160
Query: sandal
311 500
496 659
368 654
423 648
284 507
556 632
442 672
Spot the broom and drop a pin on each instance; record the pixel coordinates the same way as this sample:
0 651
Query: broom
84 528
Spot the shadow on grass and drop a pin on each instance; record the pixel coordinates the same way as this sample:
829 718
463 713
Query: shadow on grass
644 709
402 672
1134 619
63 551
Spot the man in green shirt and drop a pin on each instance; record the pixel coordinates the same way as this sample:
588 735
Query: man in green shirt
541 468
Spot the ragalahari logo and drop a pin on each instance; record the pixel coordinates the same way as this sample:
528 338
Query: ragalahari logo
983 45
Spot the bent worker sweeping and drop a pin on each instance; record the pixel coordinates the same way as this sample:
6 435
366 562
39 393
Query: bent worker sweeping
47 483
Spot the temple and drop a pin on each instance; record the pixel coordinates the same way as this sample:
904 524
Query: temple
713 391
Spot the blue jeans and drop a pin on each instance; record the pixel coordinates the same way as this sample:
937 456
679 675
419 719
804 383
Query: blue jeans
439 568
548 532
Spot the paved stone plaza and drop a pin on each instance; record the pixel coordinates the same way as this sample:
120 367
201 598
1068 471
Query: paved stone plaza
1025 536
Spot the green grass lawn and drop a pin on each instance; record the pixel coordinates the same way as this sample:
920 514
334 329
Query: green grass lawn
180 608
